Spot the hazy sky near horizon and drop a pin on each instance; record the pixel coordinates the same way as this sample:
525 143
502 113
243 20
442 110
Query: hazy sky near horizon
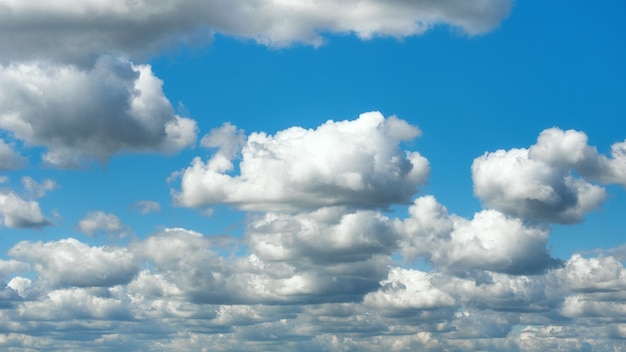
312 175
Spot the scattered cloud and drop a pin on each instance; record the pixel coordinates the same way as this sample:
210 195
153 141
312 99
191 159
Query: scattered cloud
99 221
17 212
352 163
146 206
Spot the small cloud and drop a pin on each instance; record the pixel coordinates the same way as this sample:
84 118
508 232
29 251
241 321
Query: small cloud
99 221
146 206
36 189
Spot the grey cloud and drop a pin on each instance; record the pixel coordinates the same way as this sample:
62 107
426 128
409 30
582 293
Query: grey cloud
9 158
298 169
80 32
114 106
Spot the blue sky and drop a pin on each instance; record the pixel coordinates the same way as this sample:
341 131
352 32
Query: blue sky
327 175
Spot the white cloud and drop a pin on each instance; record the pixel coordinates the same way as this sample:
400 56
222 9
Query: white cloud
490 241
146 206
70 262
17 212
78 32
599 274
113 107
228 139
354 163
405 291
72 303
99 221
326 236
538 183
515 183
569 150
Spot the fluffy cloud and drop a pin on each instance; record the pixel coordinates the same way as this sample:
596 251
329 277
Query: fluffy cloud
56 263
113 107
569 150
537 183
327 236
490 241
407 292
79 32
353 163
96 221
17 212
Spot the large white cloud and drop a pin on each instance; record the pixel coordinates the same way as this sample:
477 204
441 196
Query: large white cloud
354 163
78 32
538 183
81 115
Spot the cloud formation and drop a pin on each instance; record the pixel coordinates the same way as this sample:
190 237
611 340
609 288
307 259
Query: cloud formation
351 163
80 33
538 183
113 107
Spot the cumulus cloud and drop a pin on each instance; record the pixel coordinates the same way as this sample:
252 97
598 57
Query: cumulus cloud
538 183
113 107
79 32
146 206
406 292
326 236
99 221
56 263
490 241
17 212
353 163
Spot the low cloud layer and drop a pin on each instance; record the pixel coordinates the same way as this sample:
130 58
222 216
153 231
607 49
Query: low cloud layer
336 272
